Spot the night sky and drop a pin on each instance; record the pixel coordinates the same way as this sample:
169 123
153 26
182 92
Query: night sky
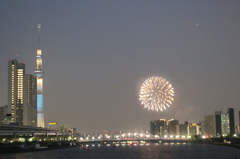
96 55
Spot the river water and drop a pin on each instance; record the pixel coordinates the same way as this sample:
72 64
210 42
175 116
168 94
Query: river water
146 151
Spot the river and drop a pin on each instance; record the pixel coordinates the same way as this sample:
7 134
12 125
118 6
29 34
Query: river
146 151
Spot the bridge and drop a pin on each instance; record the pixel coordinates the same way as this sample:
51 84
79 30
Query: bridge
17 133
136 141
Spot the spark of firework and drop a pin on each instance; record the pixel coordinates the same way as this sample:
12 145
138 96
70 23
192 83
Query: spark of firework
156 94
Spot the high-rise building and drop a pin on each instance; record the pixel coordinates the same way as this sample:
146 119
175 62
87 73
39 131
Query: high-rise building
239 118
194 129
220 124
184 129
39 75
158 127
3 114
163 127
225 124
210 125
238 123
30 100
173 127
230 113
21 95
16 72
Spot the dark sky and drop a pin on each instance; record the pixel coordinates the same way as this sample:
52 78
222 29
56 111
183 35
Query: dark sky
96 55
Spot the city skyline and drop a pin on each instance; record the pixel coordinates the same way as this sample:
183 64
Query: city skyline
98 54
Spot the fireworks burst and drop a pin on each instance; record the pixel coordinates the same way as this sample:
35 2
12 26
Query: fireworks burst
156 94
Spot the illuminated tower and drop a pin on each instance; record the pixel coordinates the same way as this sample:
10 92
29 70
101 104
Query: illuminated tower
39 75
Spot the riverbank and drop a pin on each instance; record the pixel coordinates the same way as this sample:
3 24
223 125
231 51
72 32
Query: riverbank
36 146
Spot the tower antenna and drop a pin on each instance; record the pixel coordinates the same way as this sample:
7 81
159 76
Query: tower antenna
39 35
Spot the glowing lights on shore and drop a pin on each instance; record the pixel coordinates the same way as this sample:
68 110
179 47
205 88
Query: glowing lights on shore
133 137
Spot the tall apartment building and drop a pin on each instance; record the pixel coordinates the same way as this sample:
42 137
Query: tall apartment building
15 90
230 113
158 127
210 125
225 129
194 129
220 124
21 88
30 100
184 129
173 127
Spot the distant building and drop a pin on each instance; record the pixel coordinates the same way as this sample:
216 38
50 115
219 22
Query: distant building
21 95
231 120
173 127
194 129
184 130
210 125
3 114
158 127
220 124
225 124
30 101
239 118
238 122
74 132
15 90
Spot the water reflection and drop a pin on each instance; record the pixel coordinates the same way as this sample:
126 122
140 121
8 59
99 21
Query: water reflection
141 150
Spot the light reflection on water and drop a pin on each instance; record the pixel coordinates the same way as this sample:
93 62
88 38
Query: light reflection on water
140 151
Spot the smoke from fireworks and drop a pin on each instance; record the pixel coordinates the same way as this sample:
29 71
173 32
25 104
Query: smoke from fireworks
156 94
